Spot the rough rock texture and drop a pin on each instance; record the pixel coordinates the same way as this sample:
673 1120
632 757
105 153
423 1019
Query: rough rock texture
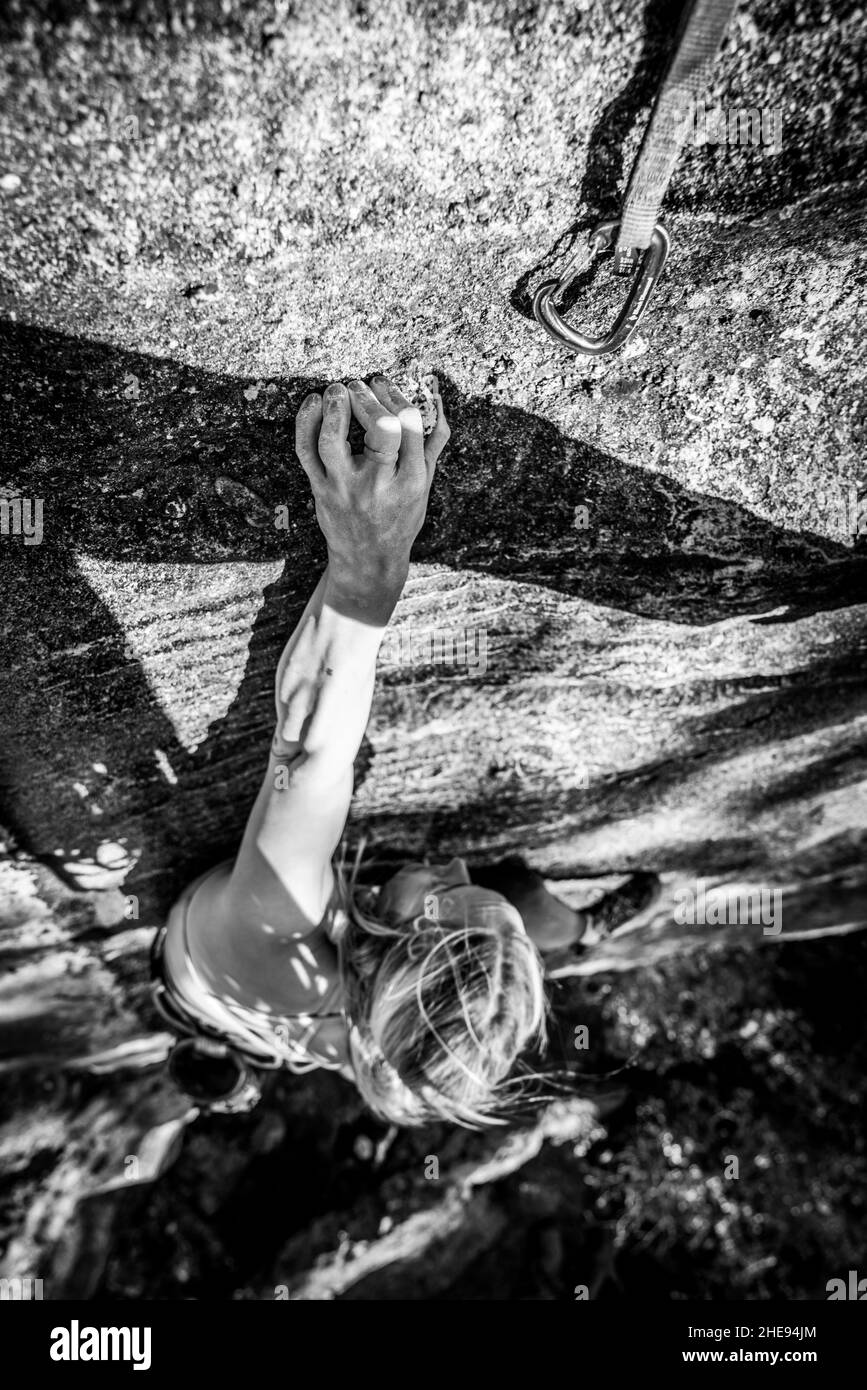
202 217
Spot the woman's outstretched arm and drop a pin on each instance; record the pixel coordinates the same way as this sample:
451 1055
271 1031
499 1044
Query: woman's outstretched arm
370 507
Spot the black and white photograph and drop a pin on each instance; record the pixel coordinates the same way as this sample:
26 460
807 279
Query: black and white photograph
433 691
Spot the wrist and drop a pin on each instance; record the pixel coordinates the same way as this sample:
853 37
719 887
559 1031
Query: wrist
368 592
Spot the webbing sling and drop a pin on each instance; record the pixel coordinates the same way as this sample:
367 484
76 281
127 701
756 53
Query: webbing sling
641 238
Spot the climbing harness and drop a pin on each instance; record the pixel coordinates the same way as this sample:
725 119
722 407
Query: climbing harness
221 1077
641 239
225 1045
219 1073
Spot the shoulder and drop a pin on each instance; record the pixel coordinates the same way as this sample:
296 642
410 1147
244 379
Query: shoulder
257 891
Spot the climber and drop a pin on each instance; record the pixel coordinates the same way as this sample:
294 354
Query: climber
426 993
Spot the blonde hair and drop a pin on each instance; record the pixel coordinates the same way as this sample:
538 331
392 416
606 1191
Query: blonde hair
438 1011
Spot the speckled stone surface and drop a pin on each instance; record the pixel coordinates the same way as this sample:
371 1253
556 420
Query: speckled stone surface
201 217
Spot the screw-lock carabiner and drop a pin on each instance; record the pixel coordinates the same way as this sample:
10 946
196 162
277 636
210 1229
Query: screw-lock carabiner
646 276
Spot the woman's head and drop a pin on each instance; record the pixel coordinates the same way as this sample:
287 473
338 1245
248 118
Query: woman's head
444 991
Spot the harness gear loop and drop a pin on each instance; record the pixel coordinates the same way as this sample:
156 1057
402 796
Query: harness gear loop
641 238
219 1076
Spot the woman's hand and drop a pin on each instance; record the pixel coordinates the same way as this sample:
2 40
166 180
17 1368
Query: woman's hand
370 506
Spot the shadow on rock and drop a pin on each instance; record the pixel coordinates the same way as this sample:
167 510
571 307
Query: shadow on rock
141 459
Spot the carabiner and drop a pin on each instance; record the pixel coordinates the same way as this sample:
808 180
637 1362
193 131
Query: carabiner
630 316
217 1078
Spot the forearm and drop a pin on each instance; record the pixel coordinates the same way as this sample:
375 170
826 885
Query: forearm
325 677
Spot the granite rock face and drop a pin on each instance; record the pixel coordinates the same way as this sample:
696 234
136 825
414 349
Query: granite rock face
635 634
